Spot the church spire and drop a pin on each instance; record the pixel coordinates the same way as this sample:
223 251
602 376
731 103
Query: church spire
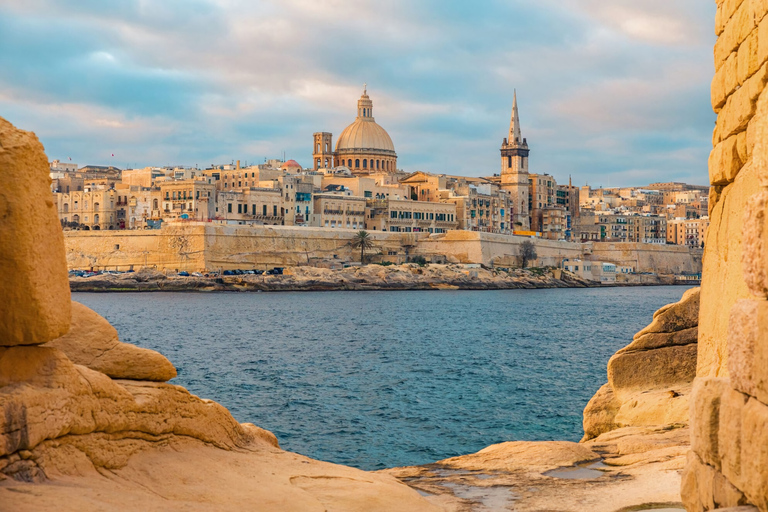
515 136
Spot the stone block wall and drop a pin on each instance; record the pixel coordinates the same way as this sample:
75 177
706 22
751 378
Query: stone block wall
728 464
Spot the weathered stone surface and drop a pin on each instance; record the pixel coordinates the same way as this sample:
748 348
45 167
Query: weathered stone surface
675 317
723 284
725 161
705 418
642 466
730 436
747 352
755 249
93 342
654 340
600 413
651 369
654 407
754 453
703 488
35 291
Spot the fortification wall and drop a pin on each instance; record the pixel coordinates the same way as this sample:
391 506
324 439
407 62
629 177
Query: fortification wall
728 465
181 248
500 250
194 247
664 259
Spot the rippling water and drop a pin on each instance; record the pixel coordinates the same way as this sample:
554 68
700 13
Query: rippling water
381 379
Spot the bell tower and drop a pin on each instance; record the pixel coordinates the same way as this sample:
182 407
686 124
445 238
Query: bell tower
514 169
322 151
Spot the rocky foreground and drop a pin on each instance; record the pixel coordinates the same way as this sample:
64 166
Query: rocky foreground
369 277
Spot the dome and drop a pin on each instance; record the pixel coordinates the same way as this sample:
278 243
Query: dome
291 164
365 134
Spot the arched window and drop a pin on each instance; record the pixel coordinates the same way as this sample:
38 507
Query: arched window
66 207
371 163
357 164
377 163
365 164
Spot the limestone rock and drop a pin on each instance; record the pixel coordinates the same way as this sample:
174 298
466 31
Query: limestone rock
34 289
93 342
654 340
729 438
600 413
704 488
755 249
655 407
676 317
705 418
723 284
652 369
748 348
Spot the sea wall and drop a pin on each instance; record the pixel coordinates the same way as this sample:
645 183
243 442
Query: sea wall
664 259
201 246
728 464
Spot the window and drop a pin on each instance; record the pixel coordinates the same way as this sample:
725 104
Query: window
264 210
365 164
229 208
239 208
274 210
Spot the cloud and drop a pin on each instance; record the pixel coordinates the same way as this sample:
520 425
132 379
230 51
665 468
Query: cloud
606 89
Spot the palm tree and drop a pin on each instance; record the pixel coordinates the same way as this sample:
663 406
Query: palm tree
363 241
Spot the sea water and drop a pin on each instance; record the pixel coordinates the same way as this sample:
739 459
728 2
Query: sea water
381 379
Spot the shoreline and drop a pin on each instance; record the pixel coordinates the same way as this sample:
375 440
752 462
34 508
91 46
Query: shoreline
407 277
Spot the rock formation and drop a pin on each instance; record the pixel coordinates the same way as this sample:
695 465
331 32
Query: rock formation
88 423
728 464
649 380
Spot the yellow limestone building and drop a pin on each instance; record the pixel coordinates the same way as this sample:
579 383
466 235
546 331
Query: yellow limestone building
364 147
514 170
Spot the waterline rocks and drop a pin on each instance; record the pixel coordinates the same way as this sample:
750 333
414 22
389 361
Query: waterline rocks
649 380
94 343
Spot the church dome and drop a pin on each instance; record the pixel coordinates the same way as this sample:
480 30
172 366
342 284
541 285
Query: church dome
364 135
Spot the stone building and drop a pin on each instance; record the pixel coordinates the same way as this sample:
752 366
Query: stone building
690 232
256 206
514 169
647 229
363 147
408 216
339 210
92 208
188 199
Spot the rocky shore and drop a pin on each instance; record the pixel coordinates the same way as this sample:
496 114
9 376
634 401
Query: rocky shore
369 277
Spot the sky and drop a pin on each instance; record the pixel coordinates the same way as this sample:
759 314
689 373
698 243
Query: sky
610 93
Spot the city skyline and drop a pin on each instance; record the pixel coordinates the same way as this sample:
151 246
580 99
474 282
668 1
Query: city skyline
611 95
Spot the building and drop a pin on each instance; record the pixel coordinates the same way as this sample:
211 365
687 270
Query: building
363 147
339 210
690 232
255 206
514 169
408 216
647 229
188 199
598 271
93 208
542 194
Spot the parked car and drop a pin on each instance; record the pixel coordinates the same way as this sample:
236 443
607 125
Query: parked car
197 274
228 273
258 272
275 271
184 273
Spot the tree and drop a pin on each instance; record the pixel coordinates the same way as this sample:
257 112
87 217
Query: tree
362 241
527 252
